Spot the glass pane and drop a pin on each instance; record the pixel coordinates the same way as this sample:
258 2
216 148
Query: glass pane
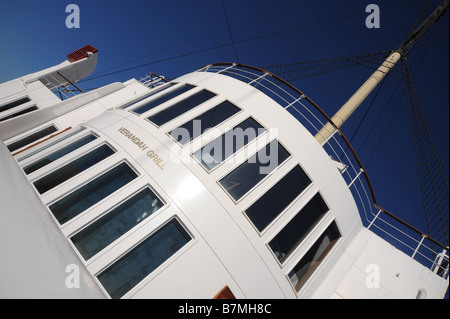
13 104
54 141
276 199
81 199
229 143
306 266
31 138
161 99
294 232
250 173
211 118
155 90
132 268
58 154
24 111
75 167
181 107
117 222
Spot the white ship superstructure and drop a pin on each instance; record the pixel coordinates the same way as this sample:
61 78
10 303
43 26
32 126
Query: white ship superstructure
201 187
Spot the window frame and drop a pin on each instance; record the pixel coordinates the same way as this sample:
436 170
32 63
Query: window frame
176 100
301 240
98 172
240 199
149 277
325 255
123 200
266 130
153 92
28 134
287 208
192 140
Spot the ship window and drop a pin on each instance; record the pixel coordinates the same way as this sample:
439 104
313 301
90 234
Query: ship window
293 233
315 255
199 125
217 151
73 168
132 268
58 154
48 145
154 91
24 111
31 138
163 98
181 107
81 199
250 173
275 200
15 103
117 222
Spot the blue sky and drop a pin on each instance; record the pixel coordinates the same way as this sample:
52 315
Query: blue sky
131 33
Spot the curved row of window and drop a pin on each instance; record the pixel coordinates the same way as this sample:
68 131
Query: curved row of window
247 175
129 269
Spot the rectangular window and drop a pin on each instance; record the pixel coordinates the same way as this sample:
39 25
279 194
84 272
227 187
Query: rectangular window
132 268
24 111
15 103
217 151
296 230
276 199
72 169
117 222
88 195
315 255
247 175
181 107
163 98
54 141
31 138
58 154
204 122
154 91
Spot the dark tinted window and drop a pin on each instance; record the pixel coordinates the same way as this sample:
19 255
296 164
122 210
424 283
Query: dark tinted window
13 104
294 232
137 264
211 118
58 154
217 151
181 107
117 222
276 199
24 111
31 138
250 173
72 169
163 98
312 259
81 199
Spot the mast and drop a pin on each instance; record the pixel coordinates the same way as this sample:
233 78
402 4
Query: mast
361 94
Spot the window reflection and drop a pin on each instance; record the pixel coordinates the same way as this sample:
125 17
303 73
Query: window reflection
117 222
128 271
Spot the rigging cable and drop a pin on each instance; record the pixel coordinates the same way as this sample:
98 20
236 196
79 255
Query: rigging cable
245 40
229 30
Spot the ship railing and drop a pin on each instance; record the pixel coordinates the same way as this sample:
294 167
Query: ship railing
152 80
397 232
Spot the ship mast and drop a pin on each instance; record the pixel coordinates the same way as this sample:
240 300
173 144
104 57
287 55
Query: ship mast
361 94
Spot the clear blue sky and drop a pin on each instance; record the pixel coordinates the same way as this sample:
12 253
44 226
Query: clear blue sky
34 36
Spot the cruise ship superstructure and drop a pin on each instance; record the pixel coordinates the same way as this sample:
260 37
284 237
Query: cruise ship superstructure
211 185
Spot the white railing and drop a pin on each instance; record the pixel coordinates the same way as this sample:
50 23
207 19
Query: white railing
413 242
